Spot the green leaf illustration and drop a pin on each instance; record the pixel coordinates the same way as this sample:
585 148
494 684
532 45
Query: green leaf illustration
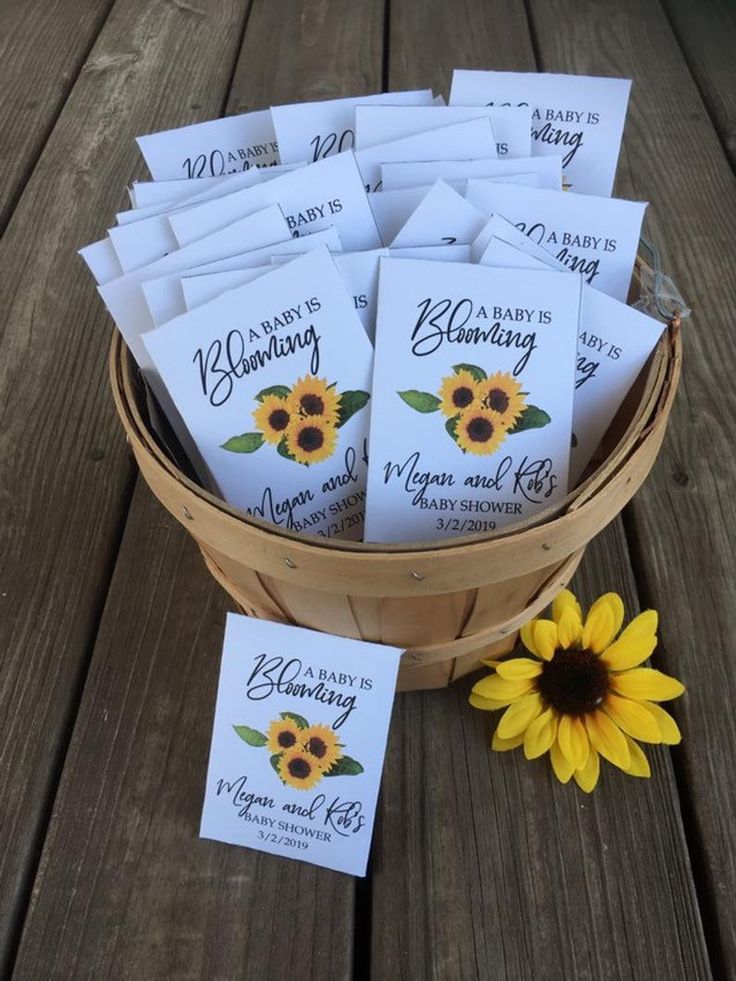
451 427
350 403
531 418
274 761
251 736
299 719
247 443
474 370
282 450
420 401
281 390
346 766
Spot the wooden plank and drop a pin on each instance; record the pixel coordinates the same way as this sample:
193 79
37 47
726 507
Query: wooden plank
484 866
685 515
66 476
125 887
706 33
183 908
42 49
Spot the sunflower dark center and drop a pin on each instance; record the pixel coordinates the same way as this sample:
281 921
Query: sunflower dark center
310 439
299 768
278 420
317 747
480 429
573 682
286 739
462 397
498 400
312 405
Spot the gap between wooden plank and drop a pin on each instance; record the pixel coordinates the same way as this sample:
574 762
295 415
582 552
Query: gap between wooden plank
42 50
67 482
682 519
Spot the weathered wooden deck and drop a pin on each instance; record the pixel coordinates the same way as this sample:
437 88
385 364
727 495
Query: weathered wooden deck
110 627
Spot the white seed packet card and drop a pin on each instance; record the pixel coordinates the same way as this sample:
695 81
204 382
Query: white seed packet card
614 342
595 236
580 116
443 217
418 173
472 406
359 271
211 149
196 192
329 192
382 124
273 382
497 227
460 141
102 261
202 284
437 253
391 209
146 194
298 743
314 130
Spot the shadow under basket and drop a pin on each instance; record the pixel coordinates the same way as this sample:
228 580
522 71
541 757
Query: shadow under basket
449 602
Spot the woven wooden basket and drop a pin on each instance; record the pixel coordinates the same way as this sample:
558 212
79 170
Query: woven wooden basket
447 603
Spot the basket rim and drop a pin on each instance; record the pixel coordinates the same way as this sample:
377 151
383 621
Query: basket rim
662 376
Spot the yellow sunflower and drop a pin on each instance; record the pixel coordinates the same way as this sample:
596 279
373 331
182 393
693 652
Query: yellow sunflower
584 695
457 392
480 431
299 769
272 417
322 744
502 393
312 396
311 439
283 734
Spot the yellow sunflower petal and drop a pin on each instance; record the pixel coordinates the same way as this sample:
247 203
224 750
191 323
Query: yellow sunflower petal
587 778
628 652
638 763
504 745
540 734
598 630
501 690
562 769
485 704
668 728
617 608
527 637
569 628
545 638
564 599
642 626
573 741
607 738
646 683
518 716
633 718
518 667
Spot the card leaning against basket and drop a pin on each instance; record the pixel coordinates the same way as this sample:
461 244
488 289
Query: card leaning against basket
384 359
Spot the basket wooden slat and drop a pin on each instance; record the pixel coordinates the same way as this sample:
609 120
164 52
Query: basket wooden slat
448 603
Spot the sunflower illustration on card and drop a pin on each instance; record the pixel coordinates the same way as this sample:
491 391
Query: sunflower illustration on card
273 382
471 416
298 742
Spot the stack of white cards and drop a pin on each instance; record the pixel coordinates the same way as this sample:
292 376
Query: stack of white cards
384 317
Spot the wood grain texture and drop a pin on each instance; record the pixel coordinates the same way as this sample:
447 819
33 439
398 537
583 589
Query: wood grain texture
484 866
706 33
125 888
683 518
65 476
42 48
